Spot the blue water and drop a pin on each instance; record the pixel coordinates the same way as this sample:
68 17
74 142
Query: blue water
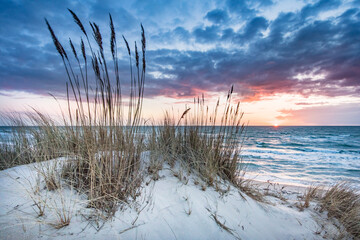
303 155
298 155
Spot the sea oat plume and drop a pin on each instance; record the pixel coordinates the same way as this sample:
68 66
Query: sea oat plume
78 22
136 55
57 44
97 34
113 37
73 49
83 49
143 41
127 44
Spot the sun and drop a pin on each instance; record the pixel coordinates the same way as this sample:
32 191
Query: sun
276 125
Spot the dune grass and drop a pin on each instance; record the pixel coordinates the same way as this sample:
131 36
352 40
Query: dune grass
342 201
98 139
311 193
204 141
102 134
7 156
17 149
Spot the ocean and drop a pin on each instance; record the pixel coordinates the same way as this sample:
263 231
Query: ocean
303 155
297 155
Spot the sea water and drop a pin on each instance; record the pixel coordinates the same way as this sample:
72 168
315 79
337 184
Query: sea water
303 155
295 155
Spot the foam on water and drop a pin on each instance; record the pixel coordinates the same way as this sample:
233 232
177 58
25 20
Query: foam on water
303 155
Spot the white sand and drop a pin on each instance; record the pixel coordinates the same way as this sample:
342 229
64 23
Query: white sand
161 213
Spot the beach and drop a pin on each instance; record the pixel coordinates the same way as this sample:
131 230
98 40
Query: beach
168 209
174 202
175 120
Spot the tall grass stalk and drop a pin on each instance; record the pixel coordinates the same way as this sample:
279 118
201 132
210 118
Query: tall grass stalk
99 136
206 142
105 145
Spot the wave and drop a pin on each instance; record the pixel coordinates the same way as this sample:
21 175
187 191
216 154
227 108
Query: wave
262 144
348 145
296 151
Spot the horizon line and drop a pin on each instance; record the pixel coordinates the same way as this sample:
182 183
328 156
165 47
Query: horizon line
2 126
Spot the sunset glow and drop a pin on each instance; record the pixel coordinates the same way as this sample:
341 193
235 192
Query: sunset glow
275 53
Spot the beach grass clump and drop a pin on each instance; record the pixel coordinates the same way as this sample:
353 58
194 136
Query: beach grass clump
342 202
311 193
62 210
204 142
8 156
103 141
97 143
16 150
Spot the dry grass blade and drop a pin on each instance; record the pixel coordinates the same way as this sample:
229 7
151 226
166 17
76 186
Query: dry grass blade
310 193
247 187
223 226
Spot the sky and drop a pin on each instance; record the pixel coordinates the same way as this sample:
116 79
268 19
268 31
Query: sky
292 62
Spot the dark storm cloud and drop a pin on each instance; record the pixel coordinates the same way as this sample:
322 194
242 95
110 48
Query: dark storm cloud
237 46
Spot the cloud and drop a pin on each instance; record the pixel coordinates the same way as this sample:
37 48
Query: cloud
237 45
356 3
269 64
247 8
253 29
241 8
217 16
207 34
309 104
318 7
170 37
